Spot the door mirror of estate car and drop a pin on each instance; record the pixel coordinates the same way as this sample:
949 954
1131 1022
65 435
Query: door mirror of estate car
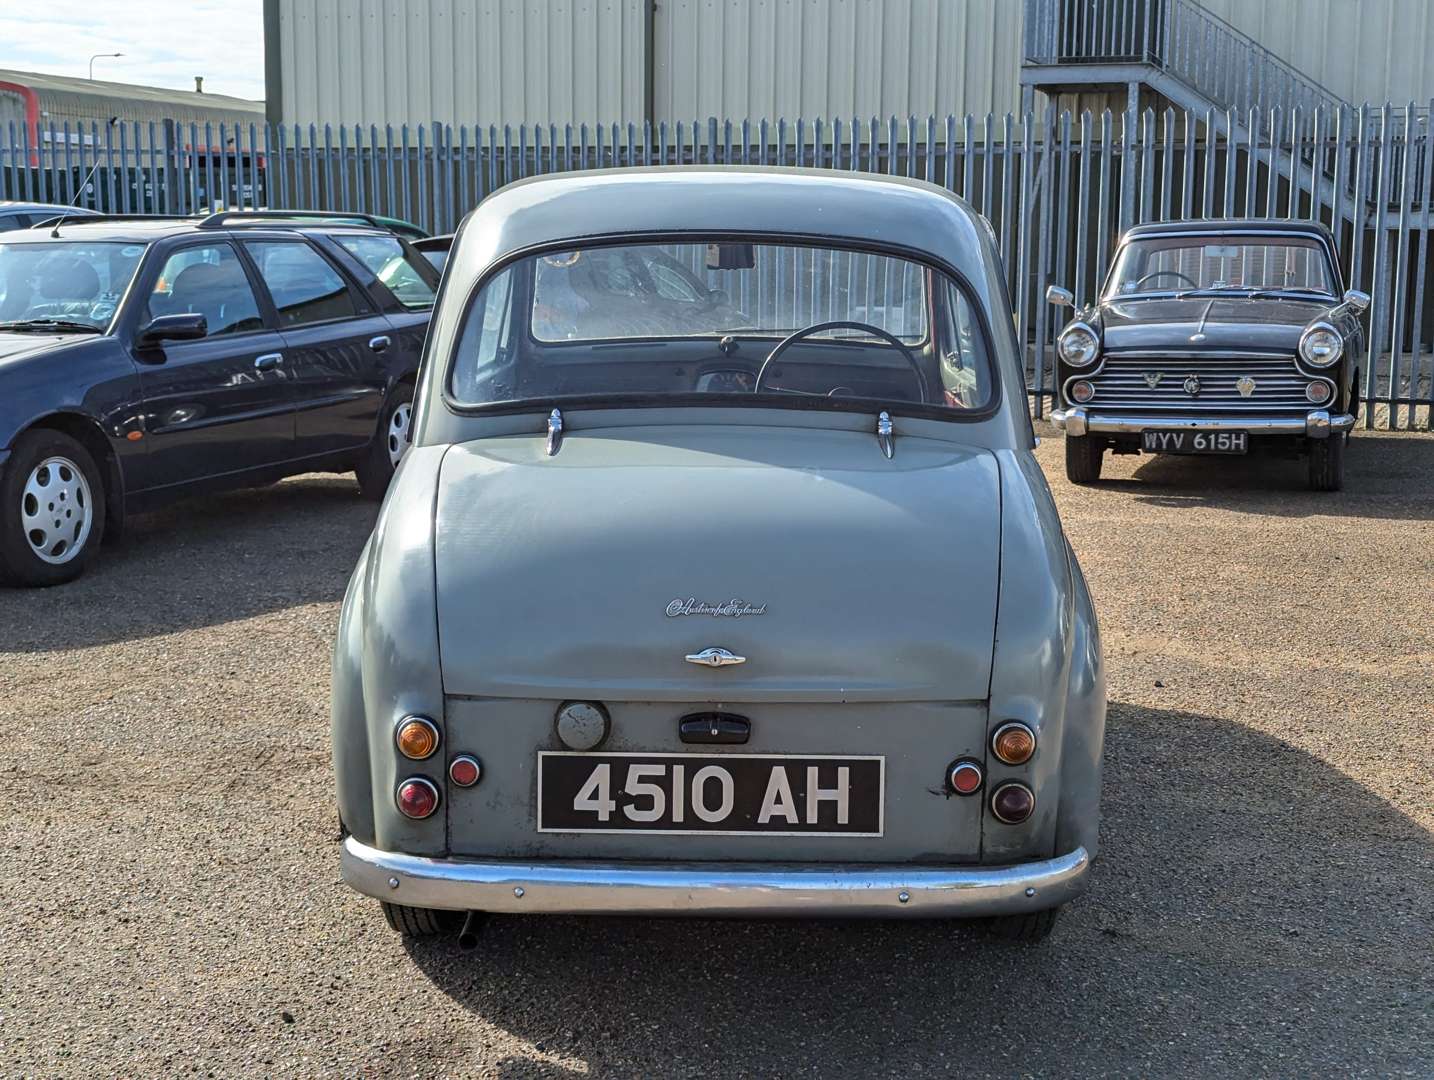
731 256
1060 297
185 327
1356 300
718 297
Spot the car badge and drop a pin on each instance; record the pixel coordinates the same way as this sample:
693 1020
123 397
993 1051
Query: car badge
715 658
731 609
1192 385
1245 385
1152 378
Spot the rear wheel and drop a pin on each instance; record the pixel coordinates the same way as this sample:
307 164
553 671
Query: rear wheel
417 922
1083 457
52 510
375 469
1030 926
1327 462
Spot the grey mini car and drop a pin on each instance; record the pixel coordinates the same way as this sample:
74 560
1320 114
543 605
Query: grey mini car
720 577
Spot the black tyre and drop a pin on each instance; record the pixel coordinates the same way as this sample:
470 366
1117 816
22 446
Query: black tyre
1327 462
1032 926
375 468
1083 458
417 922
52 510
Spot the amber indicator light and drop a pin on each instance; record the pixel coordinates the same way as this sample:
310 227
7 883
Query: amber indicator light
416 737
1014 743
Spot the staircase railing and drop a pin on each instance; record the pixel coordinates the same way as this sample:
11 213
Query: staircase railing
1226 67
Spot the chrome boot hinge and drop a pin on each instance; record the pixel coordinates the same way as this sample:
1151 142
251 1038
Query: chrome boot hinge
885 434
555 432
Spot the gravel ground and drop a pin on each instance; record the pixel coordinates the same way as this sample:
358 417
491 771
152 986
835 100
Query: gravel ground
1262 904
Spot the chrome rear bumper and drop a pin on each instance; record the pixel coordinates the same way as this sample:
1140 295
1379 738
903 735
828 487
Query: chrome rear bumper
1316 424
754 889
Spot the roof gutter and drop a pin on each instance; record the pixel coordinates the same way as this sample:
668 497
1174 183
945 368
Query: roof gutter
32 115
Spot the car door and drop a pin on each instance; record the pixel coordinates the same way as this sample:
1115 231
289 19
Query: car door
334 339
406 285
223 404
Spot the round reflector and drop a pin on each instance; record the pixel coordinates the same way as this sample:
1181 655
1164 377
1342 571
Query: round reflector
1014 743
417 737
1012 803
416 798
965 778
1317 392
1081 392
464 770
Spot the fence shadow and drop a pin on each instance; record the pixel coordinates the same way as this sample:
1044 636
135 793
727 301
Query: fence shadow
1209 937
1387 476
202 562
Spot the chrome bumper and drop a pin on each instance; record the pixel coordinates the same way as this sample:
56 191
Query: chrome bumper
1316 424
597 888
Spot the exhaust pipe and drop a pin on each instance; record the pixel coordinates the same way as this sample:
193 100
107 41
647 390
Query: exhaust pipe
468 936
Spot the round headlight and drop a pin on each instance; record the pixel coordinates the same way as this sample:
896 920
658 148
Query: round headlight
1321 345
1078 345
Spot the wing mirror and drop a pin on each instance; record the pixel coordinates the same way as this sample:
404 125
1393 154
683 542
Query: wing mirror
1356 300
1060 297
186 327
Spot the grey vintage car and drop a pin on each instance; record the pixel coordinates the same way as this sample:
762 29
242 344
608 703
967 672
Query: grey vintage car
720 577
1214 337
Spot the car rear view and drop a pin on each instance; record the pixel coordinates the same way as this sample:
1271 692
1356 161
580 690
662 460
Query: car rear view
720 578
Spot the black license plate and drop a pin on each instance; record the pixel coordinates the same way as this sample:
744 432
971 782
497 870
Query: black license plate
1195 442
727 794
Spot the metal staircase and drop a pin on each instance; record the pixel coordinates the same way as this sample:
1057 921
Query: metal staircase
1177 48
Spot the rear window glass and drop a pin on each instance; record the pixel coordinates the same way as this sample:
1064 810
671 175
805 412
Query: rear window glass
386 260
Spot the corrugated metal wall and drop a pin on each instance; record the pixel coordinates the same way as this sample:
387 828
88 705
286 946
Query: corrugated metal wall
1363 50
459 61
763 59
575 61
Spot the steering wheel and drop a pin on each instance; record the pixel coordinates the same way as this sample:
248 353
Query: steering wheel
1166 273
816 328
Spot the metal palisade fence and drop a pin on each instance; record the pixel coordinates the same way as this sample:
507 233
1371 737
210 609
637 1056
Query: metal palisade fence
1057 188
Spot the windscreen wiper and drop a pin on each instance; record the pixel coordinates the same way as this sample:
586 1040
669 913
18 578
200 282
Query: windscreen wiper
63 325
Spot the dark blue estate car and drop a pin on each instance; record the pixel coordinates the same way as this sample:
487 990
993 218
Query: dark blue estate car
143 360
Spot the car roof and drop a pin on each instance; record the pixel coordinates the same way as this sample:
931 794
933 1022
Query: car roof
18 205
811 205
148 230
1231 226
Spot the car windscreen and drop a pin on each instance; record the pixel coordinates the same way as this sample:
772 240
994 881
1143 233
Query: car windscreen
697 322
75 281
1220 263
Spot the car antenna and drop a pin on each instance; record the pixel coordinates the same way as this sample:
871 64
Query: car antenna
55 232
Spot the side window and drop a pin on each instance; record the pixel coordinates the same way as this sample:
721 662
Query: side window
14 221
386 259
305 288
208 281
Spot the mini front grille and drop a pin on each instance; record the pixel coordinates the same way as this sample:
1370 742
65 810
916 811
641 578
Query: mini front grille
1253 382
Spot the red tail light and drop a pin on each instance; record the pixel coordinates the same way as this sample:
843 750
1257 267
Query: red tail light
416 798
1012 803
965 777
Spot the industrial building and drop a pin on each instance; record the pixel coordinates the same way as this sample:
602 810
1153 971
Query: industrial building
39 108
602 61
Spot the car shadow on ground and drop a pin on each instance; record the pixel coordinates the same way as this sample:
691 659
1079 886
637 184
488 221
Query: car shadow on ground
202 562
1288 965
1386 476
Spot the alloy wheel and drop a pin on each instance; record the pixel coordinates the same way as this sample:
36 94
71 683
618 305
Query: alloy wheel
398 432
56 510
